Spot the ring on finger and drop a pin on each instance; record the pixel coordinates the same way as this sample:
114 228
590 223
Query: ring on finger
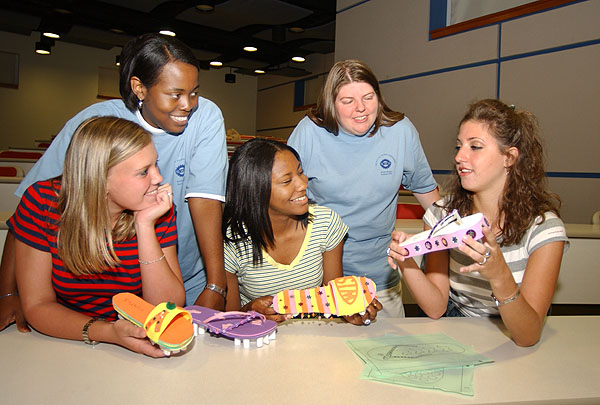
169 193
488 253
387 252
481 263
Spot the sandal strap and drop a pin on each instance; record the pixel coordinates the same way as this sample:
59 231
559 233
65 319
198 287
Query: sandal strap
160 317
445 221
245 318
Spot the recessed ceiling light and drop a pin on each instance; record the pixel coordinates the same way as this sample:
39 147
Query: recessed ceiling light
296 30
205 8
259 71
51 35
42 48
216 63
167 32
250 49
298 59
63 11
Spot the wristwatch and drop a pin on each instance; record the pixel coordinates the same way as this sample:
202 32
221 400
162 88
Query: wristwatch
84 332
217 289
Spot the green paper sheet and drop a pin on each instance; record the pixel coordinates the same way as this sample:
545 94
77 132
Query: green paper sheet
457 380
423 361
392 354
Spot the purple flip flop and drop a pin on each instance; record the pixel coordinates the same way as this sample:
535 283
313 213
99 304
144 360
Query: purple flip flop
242 327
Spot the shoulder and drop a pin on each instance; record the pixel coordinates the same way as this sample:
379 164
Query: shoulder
307 126
544 229
324 214
435 212
115 108
321 211
109 108
207 109
549 224
404 127
45 190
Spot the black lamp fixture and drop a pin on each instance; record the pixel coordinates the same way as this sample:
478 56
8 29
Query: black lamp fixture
229 77
44 45
278 33
118 60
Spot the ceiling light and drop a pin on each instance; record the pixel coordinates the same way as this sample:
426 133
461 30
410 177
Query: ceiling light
205 7
298 59
259 71
44 45
216 63
63 11
250 49
167 32
42 48
51 35
296 30
117 60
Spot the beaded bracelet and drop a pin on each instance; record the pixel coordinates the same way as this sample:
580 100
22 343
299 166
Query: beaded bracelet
10 294
152 261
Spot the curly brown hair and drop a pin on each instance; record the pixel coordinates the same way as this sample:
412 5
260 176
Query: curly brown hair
525 194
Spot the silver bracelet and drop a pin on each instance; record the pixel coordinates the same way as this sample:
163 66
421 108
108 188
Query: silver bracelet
217 289
152 261
11 294
508 300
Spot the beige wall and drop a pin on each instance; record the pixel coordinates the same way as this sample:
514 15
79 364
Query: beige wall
561 87
55 87
275 115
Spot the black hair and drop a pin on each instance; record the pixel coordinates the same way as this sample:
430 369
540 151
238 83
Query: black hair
248 194
145 57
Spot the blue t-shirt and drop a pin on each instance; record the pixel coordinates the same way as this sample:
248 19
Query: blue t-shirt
359 178
193 162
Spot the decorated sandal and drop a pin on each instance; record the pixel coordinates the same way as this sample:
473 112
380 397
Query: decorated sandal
342 296
242 327
446 234
167 325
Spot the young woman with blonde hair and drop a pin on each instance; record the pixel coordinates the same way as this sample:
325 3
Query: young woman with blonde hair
106 226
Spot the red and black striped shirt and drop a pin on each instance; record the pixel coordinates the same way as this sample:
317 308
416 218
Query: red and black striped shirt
35 223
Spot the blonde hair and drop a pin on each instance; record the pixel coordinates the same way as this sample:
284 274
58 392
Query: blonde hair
85 235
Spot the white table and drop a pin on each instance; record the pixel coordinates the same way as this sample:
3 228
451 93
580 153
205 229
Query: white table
308 363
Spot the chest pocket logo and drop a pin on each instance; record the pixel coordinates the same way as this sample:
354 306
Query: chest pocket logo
385 164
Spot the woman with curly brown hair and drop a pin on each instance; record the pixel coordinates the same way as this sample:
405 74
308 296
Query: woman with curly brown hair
512 272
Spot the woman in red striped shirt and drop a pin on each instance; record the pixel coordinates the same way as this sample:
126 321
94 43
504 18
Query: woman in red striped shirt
105 226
